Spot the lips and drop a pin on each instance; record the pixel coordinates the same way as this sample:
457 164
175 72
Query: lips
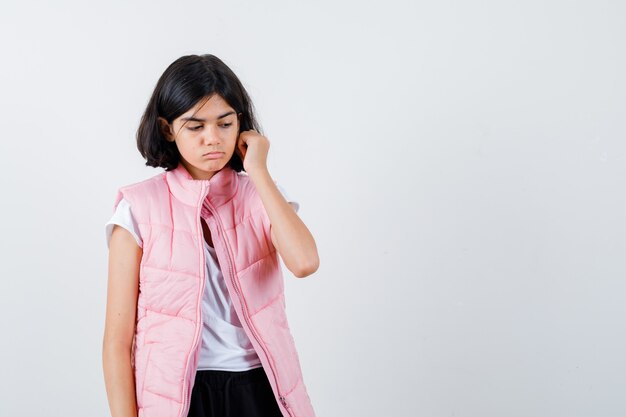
213 156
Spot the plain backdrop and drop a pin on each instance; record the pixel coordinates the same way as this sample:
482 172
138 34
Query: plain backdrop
461 165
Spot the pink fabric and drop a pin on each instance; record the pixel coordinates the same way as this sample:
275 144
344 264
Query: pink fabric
167 342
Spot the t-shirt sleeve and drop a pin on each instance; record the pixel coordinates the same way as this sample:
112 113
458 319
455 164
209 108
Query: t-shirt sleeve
124 218
289 199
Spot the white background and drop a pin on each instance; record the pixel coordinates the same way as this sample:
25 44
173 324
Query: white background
462 166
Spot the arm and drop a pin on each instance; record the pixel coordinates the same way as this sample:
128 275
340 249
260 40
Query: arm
123 288
289 234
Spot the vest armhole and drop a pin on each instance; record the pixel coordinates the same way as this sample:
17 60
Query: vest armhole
118 198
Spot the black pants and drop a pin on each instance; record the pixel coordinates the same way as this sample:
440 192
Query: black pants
233 394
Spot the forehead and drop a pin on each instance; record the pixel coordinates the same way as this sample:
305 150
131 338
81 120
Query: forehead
210 109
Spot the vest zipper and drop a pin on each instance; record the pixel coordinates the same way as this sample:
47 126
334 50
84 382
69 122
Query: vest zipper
198 310
243 305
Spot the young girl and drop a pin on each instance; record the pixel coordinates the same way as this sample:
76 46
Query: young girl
195 318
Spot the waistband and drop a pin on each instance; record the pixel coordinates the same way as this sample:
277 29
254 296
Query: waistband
219 379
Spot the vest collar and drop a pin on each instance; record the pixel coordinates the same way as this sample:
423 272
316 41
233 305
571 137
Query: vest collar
221 187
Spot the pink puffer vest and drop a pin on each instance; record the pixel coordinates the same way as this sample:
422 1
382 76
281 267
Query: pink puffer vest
166 348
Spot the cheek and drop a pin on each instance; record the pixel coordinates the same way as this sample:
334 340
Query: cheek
231 139
186 144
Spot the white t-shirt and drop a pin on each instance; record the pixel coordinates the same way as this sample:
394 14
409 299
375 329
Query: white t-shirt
225 345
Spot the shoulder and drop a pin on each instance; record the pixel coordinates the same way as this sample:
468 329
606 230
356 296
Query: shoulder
245 187
246 183
247 190
138 190
246 198
154 181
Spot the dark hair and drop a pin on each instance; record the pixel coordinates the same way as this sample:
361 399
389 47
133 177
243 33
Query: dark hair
183 84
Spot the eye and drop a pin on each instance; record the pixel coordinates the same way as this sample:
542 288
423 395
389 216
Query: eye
196 127
226 125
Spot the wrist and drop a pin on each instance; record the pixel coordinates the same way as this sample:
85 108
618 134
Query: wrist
258 173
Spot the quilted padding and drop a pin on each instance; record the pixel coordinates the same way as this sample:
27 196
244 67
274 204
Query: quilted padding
168 208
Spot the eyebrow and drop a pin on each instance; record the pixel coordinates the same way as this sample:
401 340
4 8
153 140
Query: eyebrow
196 119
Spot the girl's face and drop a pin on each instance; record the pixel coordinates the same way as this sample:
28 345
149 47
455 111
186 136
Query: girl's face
210 126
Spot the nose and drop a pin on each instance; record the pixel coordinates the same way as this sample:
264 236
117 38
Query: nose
211 136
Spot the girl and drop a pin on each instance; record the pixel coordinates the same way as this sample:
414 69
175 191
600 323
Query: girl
195 318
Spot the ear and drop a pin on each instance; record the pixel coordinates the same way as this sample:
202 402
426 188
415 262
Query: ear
166 129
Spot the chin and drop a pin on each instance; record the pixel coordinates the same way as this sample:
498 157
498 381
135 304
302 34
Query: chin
213 166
